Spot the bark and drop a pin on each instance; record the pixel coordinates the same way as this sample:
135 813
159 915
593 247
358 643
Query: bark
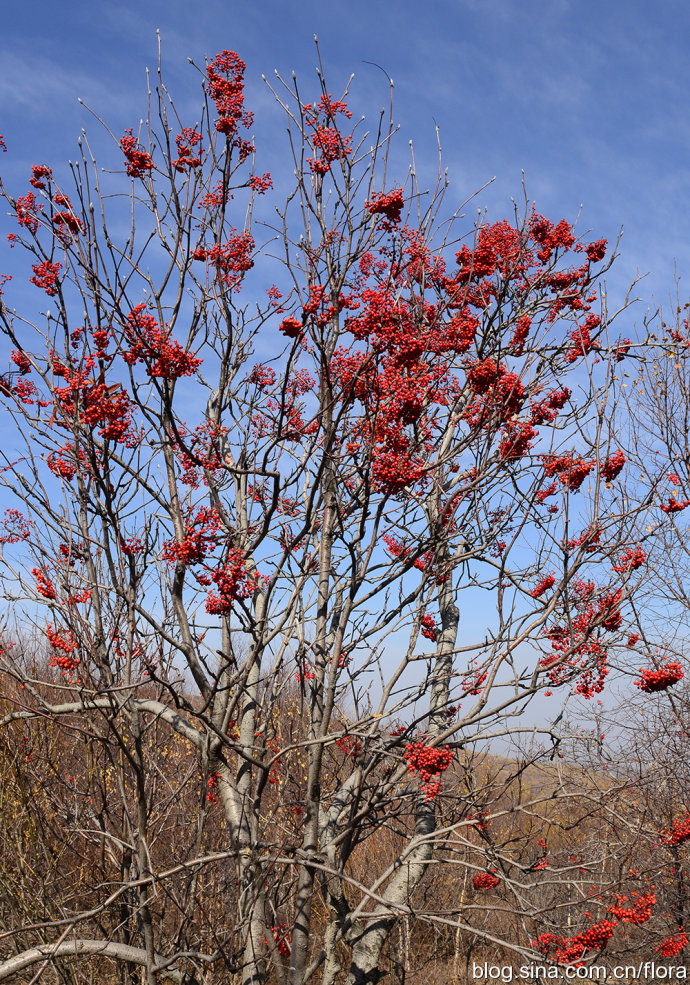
369 939
88 948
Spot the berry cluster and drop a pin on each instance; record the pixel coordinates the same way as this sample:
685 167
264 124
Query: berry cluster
139 162
633 558
581 339
674 505
38 173
260 183
212 785
429 763
27 211
543 586
351 747
429 628
575 644
571 470
281 938
659 680
44 586
291 327
638 912
186 142
388 205
46 276
673 945
226 87
679 833
233 581
473 681
200 537
66 219
485 880
152 344
571 950
92 403
231 259
326 139
613 466
64 658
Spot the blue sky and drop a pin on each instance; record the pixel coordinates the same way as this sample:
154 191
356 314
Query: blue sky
589 99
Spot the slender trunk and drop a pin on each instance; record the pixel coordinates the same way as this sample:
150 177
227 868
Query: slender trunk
318 723
251 900
371 937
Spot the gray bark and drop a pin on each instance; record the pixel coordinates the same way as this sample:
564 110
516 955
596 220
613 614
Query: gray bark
370 937
86 948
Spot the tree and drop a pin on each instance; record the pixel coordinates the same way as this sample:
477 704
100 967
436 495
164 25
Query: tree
244 524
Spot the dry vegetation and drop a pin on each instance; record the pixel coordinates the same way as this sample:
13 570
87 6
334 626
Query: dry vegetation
565 838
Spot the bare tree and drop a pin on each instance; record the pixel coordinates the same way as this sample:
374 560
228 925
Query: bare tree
278 560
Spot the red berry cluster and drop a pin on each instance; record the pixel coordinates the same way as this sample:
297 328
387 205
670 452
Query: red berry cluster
571 950
679 833
308 675
212 785
152 344
659 680
613 466
186 142
46 276
485 880
226 87
581 339
472 683
44 586
291 327
262 377
403 373
549 237
62 468
577 640
351 747
38 173
66 219
282 939
326 139
430 763
261 183
17 528
200 537
20 359
633 558
272 746
501 394
233 581
65 647
571 470
92 403
639 912
138 160
543 586
27 211
429 628
231 259
389 205
674 505
596 251
398 548
673 945
590 539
